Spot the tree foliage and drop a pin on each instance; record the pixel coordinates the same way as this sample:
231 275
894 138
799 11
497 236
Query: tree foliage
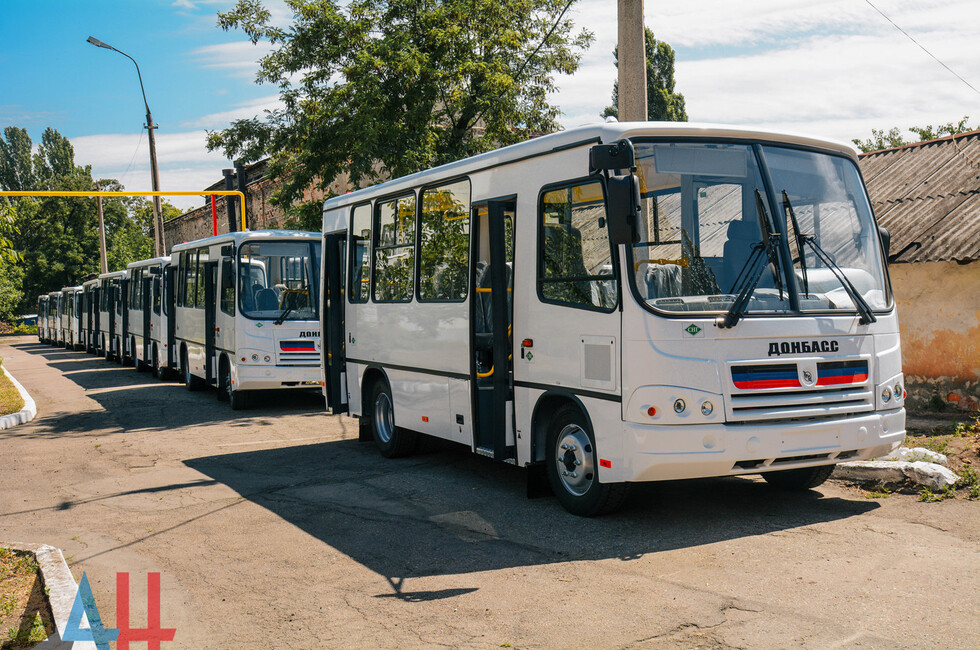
663 103
384 88
56 238
893 138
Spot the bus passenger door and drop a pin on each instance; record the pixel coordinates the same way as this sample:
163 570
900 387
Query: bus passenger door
147 306
490 325
169 309
210 307
332 323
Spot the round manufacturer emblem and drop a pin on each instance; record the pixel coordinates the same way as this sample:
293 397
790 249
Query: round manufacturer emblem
808 376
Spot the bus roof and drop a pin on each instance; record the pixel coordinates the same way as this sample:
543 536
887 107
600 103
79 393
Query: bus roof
112 274
584 136
94 282
153 261
239 237
64 289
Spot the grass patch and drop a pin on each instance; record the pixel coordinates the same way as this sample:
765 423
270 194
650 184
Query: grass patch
25 616
10 399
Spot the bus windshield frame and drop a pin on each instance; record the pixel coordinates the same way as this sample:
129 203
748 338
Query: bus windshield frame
712 206
294 279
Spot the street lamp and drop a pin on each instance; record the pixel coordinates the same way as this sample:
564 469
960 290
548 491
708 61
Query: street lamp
159 244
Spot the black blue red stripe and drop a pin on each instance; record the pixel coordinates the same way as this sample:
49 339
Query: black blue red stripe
782 375
297 346
832 373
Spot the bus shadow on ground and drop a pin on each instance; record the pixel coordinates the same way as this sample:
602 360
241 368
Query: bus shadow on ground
164 405
449 512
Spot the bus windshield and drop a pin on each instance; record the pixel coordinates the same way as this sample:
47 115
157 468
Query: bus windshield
712 234
277 279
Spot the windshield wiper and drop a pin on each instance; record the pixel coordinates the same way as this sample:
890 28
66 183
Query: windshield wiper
867 316
799 241
751 272
282 316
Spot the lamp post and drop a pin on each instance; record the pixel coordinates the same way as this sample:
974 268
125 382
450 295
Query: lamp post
159 245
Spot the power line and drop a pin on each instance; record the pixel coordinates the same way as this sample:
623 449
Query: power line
909 36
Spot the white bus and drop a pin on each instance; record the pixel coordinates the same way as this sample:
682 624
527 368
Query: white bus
111 314
621 303
90 315
71 311
42 318
246 313
150 336
54 318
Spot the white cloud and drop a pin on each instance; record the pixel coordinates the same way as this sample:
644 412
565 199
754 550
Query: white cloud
238 58
834 67
183 159
245 110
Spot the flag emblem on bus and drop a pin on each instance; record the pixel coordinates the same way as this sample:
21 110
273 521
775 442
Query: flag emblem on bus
787 375
297 346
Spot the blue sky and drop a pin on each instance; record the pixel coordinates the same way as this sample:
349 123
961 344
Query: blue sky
833 68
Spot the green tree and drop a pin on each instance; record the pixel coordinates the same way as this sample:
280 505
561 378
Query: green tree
663 103
379 88
880 140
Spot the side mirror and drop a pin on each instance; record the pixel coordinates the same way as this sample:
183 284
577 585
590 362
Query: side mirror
623 208
886 241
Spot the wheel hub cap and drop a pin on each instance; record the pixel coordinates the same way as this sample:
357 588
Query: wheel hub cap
575 458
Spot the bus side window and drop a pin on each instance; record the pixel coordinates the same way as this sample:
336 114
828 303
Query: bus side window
202 269
227 287
575 257
444 244
394 250
360 237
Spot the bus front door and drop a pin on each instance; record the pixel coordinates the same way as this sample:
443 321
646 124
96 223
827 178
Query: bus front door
169 309
147 310
333 357
491 336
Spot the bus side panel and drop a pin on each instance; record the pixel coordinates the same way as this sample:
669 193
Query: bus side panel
354 388
422 403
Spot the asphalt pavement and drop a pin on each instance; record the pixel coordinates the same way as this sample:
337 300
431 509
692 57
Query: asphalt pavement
275 528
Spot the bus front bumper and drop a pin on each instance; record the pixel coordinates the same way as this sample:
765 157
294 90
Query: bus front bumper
275 377
657 453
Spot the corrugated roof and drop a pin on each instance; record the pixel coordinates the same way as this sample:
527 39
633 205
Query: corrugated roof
928 197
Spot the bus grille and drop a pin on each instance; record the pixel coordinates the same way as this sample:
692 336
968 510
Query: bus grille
775 391
298 353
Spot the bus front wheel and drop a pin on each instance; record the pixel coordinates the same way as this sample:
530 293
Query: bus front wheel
392 441
237 399
572 462
799 479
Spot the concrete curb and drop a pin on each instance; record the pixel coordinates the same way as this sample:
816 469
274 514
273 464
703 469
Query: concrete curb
23 416
58 580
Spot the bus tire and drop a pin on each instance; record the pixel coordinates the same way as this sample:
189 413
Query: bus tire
191 382
572 463
392 441
140 366
237 399
155 362
804 478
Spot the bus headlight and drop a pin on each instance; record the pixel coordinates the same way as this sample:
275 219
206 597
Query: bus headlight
267 358
707 408
255 358
886 395
897 391
679 405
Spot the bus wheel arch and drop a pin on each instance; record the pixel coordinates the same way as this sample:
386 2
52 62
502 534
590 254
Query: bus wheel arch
379 410
571 458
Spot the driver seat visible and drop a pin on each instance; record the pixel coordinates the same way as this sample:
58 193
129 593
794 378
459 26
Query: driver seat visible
266 300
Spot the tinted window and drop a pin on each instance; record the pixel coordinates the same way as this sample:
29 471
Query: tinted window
444 243
394 250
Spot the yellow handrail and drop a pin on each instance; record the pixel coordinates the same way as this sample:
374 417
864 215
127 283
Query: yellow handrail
241 197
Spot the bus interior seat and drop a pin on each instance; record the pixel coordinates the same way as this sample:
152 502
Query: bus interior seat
741 236
659 280
483 306
266 300
563 252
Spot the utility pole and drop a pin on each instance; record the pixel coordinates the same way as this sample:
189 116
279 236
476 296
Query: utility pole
632 62
103 263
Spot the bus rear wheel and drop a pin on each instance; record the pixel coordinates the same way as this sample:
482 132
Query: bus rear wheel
392 441
140 366
571 462
799 479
